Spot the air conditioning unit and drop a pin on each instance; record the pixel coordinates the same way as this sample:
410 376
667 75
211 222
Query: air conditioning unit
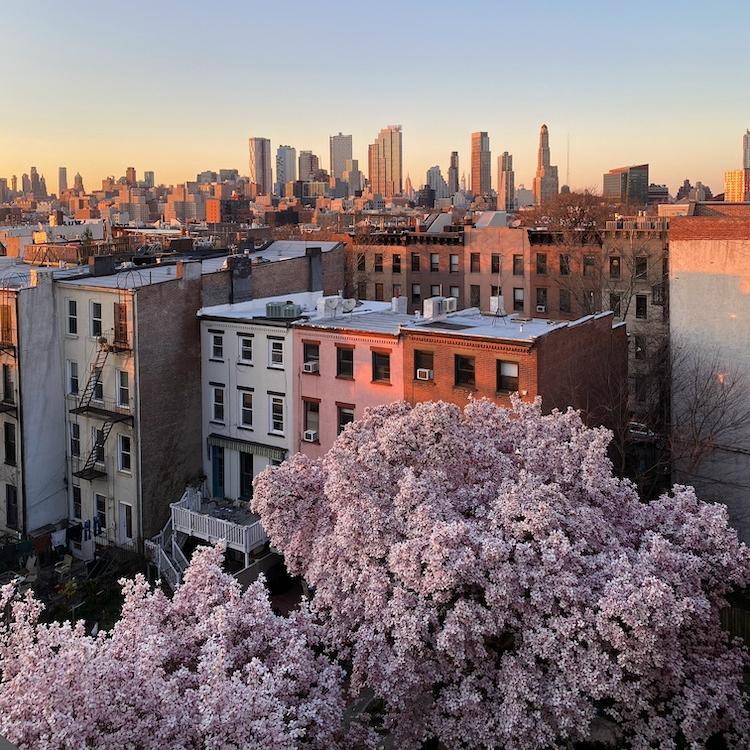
311 366
450 304
310 436
541 308
424 374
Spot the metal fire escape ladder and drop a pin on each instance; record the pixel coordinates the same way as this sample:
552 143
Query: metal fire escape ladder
96 370
89 470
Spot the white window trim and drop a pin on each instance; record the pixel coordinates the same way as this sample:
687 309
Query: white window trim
120 453
120 373
214 418
275 365
220 337
240 339
271 429
243 409
100 319
69 317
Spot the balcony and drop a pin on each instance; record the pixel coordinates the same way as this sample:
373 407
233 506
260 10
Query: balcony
107 411
212 521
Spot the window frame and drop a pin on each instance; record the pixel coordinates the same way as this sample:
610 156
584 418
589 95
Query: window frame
123 389
218 406
96 321
244 343
275 347
71 314
340 361
275 400
459 369
381 366
217 347
501 381
121 452
244 409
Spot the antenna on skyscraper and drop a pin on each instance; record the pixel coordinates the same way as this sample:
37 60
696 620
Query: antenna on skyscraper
567 164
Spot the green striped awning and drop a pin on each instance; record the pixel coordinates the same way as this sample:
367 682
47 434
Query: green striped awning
247 446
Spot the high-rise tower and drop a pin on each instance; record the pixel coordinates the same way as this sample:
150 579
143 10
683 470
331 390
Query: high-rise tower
385 162
341 151
453 174
546 184
481 163
260 164
506 187
286 167
746 150
62 180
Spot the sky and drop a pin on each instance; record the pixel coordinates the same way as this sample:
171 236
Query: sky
177 86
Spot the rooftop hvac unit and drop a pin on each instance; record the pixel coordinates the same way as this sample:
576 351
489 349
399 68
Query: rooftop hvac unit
311 366
283 310
310 436
541 308
450 304
424 374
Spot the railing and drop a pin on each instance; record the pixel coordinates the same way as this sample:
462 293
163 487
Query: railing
167 570
187 518
179 556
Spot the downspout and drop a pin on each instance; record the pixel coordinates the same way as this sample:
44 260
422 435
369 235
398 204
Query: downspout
19 420
137 421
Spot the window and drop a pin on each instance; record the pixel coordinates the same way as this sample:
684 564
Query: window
541 264
541 298
217 410
362 290
98 384
126 518
589 302
518 265
518 300
507 376
565 300
11 506
277 414
72 317
615 304
246 476
494 291
100 508
422 361
217 346
474 262
378 263
641 310
464 371
73 382
589 265
217 471
396 263
6 324
416 294
345 417
123 453
310 352
495 261
123 388
475 296
246 349
10 443
641 267
344 362
614 267
657 294
564 264
8 395
453 261
360 261
246 408
275 353
77 509
434 262
75 439
415 261
378 292
455 292
96 319
640 347
311 415
97 440
435 290
381 367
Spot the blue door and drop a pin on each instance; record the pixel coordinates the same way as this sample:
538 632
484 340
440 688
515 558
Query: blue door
217 471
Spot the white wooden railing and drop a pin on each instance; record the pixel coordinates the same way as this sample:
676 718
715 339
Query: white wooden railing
188 519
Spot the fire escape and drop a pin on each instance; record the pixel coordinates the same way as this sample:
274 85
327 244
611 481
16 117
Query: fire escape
91 401
7 346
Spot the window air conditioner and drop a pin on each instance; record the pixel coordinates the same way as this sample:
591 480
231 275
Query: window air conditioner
310 436
541 308
450 304
311 366
424 374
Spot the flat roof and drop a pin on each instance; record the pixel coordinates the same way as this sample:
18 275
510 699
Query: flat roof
256 308
287 249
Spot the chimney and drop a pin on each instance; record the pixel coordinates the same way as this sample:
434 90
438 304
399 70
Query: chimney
101 265
187 269
240 272
316 268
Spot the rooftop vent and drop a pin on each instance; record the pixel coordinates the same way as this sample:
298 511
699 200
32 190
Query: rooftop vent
283 310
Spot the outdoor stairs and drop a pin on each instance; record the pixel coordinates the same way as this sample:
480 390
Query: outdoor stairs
89 470
96 369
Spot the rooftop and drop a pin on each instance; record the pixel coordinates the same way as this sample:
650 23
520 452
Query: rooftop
256 308
287 249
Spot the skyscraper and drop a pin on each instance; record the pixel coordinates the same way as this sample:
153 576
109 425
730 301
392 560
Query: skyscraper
309 164
35 189
352 176
260 164
481 161
453 174
627 185
78 183
506 187
341 150
437 182
62 180
130 178
385 162
286 167
746 150
149 179
546 185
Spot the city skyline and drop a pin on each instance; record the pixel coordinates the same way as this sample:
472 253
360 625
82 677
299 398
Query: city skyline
611 113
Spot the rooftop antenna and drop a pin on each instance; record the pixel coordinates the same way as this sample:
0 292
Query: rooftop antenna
567 164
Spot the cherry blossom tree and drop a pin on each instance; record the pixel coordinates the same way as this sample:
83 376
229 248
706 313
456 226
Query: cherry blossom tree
210 668
490 579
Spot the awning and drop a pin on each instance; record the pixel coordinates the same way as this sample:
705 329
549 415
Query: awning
247 446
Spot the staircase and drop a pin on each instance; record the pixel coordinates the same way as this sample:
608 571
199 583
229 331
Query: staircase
96 369
89 470
164 551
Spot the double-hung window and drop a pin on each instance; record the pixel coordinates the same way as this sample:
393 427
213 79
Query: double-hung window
276 410
246 349
217 346
275 353
246 409
123 388
96 319
507 376
123 453
72 317
217 409
73 382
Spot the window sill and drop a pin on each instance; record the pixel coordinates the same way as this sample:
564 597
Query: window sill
275 367
213 421
125 472
244 364
317 374
381 382
468 388
344 377
213 359
417 381
276 434
245 429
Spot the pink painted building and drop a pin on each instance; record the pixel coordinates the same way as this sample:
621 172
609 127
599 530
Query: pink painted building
349 362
